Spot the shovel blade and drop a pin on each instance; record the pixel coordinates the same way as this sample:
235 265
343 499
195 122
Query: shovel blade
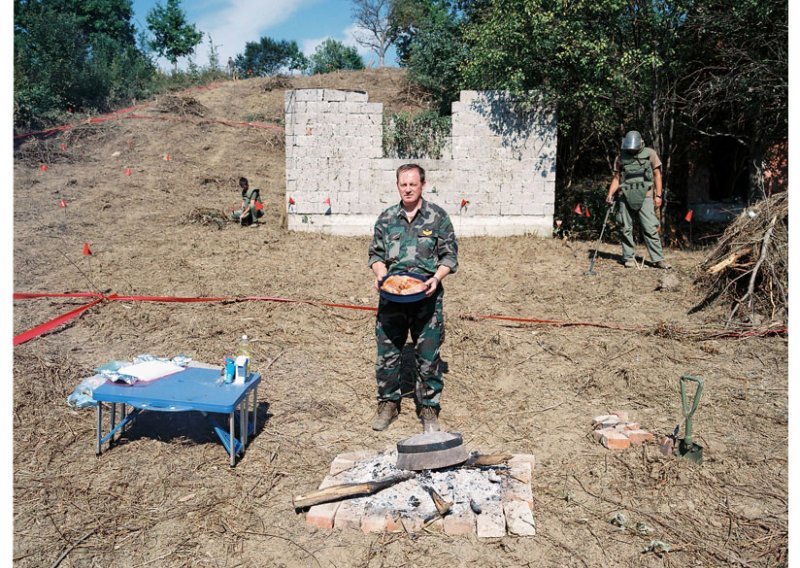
692 452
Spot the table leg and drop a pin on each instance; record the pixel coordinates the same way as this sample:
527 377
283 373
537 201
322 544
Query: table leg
243 422
98 445
124 413
113 421
232 439
255 407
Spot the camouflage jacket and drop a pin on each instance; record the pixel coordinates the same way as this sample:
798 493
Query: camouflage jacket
420 246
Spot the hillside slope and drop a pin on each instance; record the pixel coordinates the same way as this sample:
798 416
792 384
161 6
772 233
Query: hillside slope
166 496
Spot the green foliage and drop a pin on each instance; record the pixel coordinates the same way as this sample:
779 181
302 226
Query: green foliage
332 55
415 136
173 36
430 44
74 55
268 57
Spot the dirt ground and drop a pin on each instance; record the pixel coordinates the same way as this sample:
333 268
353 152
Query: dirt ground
165 495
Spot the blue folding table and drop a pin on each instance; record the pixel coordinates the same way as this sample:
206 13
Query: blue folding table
193 388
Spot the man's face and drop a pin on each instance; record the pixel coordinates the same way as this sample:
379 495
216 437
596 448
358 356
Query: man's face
410 187
244 185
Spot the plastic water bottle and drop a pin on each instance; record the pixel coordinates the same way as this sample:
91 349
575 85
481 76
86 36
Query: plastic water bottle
244 347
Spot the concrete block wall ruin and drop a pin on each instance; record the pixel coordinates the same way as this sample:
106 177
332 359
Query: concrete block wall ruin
501 161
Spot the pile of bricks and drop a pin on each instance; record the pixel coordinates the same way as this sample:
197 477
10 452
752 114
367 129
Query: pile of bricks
616 432
486 502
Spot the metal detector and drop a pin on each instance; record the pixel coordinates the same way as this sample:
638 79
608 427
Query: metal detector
590 272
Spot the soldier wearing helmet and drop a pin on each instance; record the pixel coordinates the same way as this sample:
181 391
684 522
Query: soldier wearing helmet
637 186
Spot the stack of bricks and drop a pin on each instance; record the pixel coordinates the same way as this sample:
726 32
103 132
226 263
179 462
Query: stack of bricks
508 512
616 432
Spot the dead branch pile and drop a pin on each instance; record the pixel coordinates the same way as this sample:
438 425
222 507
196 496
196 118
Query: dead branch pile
180 105
277 82
206 216
749 267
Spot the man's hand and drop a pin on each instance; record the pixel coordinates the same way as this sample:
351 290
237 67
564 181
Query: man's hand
611 198
379 269
432 283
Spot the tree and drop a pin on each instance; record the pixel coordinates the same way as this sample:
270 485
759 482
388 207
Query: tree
268 57
332 55
173 36
74 54
430 44
372 18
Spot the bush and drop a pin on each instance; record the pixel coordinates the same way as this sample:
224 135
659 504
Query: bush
415 136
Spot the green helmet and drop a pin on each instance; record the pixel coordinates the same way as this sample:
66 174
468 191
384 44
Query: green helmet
632 141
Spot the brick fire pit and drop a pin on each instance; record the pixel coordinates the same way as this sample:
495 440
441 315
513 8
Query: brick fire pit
502 494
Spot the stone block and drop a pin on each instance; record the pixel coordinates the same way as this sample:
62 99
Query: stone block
605 421
356 96
349 514
373 522
339 465
307 94
460 522
491 523
521 471
333 95
519 518
523 458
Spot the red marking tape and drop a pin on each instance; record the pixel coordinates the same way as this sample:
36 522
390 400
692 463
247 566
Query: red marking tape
53 323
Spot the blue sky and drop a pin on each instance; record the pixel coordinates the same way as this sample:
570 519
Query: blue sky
232 23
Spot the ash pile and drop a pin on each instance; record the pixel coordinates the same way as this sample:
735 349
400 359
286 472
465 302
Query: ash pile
488 495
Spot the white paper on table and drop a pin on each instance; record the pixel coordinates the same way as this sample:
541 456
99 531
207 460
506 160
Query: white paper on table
150 370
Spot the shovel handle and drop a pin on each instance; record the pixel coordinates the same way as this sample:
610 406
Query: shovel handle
687 413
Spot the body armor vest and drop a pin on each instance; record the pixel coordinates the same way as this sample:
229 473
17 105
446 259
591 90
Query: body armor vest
636 173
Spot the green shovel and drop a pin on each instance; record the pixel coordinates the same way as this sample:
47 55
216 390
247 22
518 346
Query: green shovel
686 446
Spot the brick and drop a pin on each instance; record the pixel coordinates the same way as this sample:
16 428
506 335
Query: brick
523 458
460 522
625 426
615 441
520 471
600 432
393 523
360 455
339 465
621 414
605 421
491 523
519 519
516 491
412 524
373 522
349 514
322 516
639 436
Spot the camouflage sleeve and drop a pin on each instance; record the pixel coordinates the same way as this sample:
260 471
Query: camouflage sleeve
376 249
448 245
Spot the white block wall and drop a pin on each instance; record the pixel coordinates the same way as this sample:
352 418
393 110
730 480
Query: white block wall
502 163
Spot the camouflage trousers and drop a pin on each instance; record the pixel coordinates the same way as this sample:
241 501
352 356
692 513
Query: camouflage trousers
424 320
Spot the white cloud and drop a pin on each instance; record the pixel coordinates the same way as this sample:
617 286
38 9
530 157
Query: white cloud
235 22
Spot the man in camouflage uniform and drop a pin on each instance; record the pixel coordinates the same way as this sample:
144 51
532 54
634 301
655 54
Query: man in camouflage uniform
637 177
252 206
412 236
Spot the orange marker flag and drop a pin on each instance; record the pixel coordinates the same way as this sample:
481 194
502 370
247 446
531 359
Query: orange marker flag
464 203
43 167
167 158
688 217
62 204
63 147
586 210
578 209
127 171
291 201
327 201
86 250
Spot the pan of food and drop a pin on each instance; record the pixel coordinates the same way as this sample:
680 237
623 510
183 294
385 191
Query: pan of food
404 288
